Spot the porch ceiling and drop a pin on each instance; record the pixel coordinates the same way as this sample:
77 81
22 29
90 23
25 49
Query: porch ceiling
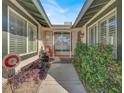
32 9
91 11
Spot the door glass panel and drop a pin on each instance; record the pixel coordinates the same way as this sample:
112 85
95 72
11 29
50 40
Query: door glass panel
62 42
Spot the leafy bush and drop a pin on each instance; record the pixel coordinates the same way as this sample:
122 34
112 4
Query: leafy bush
98 70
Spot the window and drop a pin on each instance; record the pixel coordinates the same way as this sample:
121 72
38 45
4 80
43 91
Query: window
18 34
112 34
93 35
19 41
108 32
112 30
32 38
103 30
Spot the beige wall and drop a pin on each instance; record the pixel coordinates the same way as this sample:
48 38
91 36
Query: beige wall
40 38
83 30
75 37
74 40
47 37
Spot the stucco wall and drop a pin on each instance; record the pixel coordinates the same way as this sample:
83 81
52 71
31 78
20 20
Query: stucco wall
74 40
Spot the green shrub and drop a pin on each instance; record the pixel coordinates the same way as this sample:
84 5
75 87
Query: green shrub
98 70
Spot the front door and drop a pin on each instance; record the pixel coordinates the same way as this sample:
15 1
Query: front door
62 43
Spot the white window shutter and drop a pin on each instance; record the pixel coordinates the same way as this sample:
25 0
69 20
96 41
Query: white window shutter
112 35
112 28
103 29
17 34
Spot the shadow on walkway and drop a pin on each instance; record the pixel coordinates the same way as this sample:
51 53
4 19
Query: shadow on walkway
64 73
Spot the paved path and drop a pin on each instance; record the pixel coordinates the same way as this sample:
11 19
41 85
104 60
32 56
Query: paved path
62 78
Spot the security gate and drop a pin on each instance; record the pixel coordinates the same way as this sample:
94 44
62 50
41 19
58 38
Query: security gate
62 43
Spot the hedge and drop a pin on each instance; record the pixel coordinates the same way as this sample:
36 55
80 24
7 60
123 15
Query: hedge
98 70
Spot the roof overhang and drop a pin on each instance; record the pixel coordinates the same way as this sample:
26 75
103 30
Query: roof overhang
34 8
90 8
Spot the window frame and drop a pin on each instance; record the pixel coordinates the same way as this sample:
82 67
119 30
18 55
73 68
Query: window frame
99 27
28 37
107 16
89 30
27 22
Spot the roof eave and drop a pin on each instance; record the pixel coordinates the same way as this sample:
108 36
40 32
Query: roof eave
42 11
82 12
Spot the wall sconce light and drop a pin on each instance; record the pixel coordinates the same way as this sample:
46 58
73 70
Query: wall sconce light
81 35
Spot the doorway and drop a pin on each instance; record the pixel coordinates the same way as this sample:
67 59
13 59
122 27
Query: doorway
62 43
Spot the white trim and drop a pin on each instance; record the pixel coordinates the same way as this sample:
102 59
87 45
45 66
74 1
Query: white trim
27 38
27 22
96 33
27 53
8 30
97 29
107 29
116 37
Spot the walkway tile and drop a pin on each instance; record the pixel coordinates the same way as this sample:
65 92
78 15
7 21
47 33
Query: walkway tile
62 78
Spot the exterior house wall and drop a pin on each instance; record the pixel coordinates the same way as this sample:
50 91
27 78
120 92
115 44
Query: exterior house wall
27 58
48 40
74 40
83 30
40 40
75 37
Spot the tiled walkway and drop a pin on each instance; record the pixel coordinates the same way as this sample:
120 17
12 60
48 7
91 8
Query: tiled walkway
62 78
